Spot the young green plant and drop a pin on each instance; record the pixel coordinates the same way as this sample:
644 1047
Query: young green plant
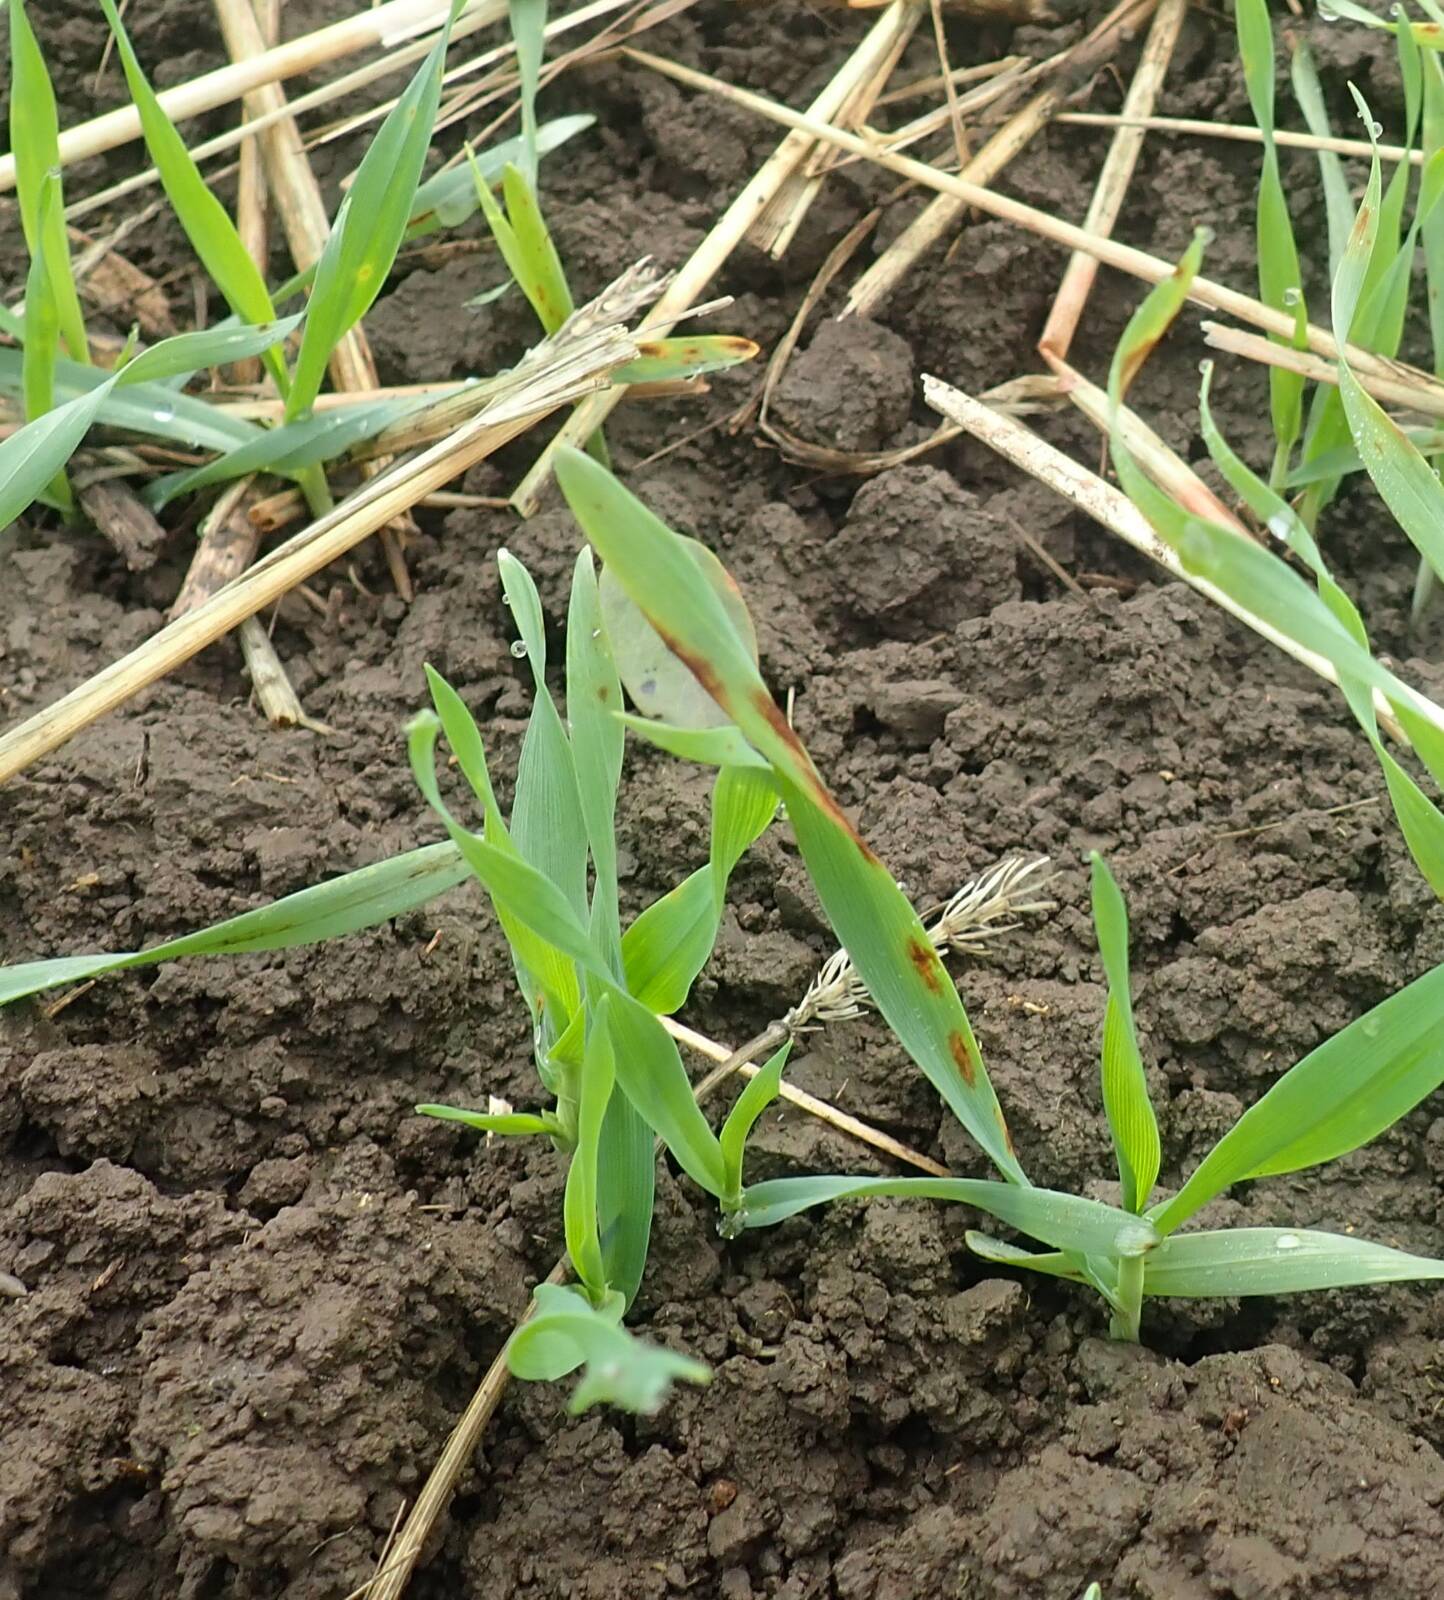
595 990
1341 1096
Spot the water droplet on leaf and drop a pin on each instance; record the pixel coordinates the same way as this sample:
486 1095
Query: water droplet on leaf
1293 297
518 648
1288 1241
165 413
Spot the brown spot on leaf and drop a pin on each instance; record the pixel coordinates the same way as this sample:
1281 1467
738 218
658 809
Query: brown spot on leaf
817 790
1003 1124
603 693
965 1055
925 959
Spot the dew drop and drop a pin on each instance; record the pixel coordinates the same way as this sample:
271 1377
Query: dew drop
1288 1241
1205 235
1293 297
596 633
518 648
1376 130
1280 526
165 413
1325 15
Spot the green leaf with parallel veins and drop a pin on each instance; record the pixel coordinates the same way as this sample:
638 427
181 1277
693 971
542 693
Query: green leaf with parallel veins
881 931
1248 1261
1337 1098
1066 1221
1125 1090
360 899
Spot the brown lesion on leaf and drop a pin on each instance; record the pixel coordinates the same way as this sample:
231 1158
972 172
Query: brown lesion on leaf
965 1054
603 693
925 960
816 789
1007 1135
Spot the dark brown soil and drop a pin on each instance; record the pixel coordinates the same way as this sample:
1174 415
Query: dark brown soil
260 1290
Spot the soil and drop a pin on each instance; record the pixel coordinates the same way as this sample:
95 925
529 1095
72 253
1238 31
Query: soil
261 1290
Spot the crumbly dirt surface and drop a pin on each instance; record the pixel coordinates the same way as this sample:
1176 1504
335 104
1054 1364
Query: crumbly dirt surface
261 1290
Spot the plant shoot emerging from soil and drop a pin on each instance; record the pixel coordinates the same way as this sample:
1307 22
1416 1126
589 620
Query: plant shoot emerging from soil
1339 1097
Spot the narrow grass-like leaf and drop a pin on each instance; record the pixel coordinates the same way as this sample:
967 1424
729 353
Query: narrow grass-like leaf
594 697
1419 818
42 328
711 747
548 979
662 360
1252 576
1053 1263
292 447
660 684
1066 1221
625 1192
1247 1261
670 942
207 224
651 1075
1280 282
31 457
139 407
760 1092
1338 208
579 1206
360 899
874 921
35 142
1340 1096
547 821
525 894
531 255
511 1123
528 32
1125 1090
449 197
370 225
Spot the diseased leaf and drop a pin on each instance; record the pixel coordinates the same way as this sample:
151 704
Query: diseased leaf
881 931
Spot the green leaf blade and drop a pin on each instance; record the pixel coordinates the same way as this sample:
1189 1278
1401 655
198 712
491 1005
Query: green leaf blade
1125 1089
1339 1097
1257 1261
1066 1221
873 919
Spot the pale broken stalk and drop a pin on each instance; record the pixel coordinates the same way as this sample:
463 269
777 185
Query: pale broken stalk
382 26
1115 176
1126 258
302 211
1113 510
942 215
558 372
1157 458
731 228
